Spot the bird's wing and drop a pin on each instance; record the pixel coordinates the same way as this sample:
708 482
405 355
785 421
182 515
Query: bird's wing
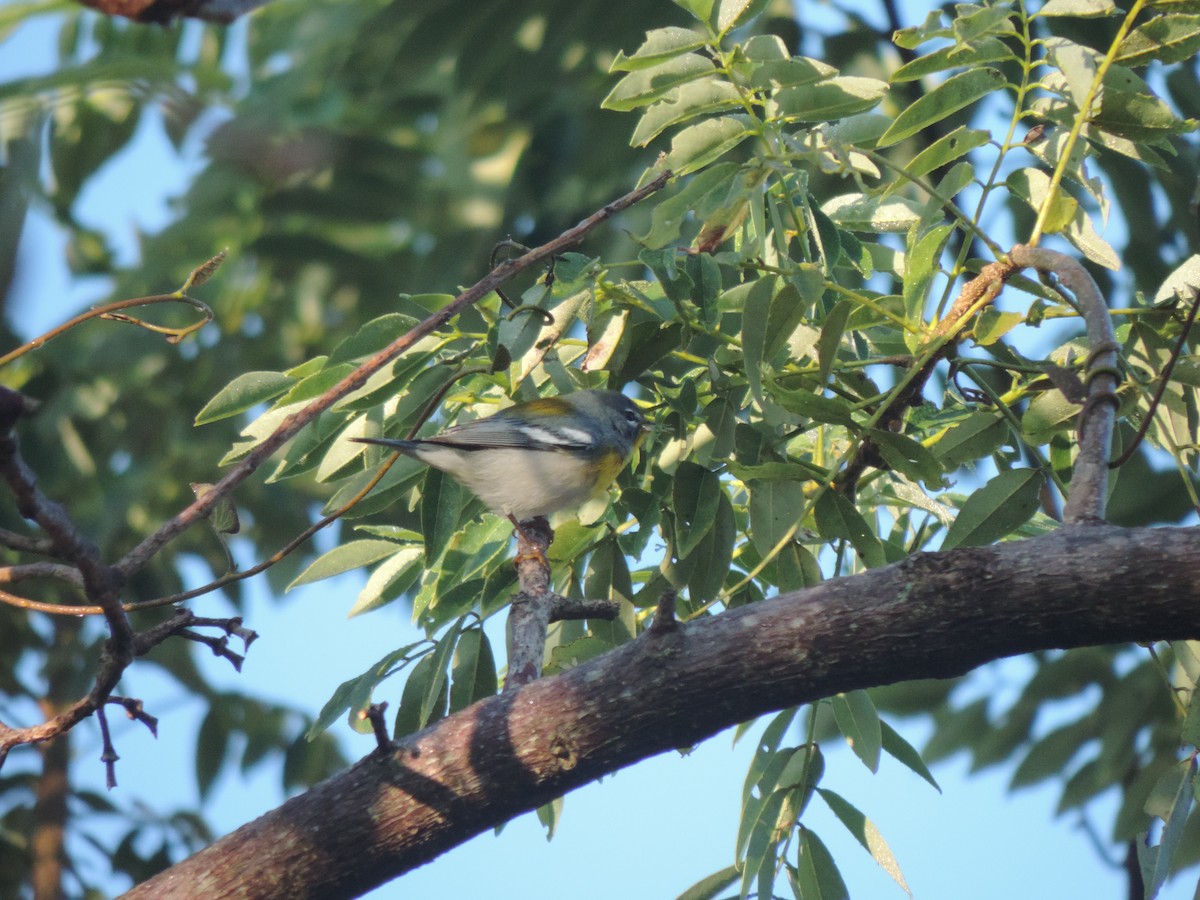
529 426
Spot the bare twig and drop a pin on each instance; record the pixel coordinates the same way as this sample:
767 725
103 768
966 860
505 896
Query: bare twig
564 609
59 571
113 312
135 711
664 615
374 714
24 543
109 755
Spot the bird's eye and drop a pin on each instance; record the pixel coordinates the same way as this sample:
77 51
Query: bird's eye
633 417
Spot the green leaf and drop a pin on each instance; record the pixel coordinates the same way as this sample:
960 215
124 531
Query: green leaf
1083 235
1166 39
825 101
991 324
955 56
955 93
865 833
858 721
979 435
434 699
908 457
974 22
1137 115
660 45
904 752
1081 9
245 391
441 501
947 149
1033 186
212 746
775 508
874 215
1051 754
697 493
830 410
549 814
373 337
473 675
733 14
816 872
644 86
389 581
923 255
755 299
701 9
996 510
838 519
710 886
1191 724
1047 415
1170 800
412 698
791 306
698 145
343 558
686 102
707 189
355 693
831 338
714 554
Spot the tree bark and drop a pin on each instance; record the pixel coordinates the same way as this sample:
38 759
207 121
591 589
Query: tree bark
164 12
932 615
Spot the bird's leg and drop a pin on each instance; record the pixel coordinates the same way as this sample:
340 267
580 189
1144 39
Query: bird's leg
534 537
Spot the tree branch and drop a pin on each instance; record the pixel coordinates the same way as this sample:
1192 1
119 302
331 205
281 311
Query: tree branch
1089 481
932 615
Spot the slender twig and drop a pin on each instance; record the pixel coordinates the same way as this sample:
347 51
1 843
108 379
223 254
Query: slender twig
1164 379
136 712
66 609
108 756
564 609
113 312
24 543
59 571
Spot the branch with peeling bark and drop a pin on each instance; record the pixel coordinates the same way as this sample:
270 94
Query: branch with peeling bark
933 615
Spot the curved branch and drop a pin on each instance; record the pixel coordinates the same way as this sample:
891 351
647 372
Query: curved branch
933 615
1089 481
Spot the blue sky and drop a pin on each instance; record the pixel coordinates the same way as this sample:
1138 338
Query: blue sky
972 841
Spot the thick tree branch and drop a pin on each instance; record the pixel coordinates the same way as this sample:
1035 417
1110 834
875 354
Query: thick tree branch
932 615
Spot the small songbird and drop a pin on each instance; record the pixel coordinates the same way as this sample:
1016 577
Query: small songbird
539 457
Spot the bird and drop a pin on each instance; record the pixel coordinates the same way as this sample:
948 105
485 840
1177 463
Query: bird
539 457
